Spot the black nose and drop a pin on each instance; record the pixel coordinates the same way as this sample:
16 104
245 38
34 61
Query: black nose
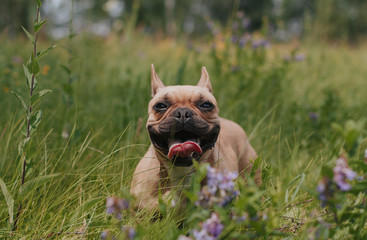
182 114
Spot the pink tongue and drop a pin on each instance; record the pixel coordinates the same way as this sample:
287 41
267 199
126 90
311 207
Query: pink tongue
184 150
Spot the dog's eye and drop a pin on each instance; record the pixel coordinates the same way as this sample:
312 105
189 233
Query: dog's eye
160 107
206 105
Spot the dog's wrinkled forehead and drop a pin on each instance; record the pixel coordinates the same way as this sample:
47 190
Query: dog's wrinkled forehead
183 94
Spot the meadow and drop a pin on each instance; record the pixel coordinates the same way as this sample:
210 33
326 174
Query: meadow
301 103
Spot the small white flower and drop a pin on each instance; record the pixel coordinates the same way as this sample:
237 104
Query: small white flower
65 134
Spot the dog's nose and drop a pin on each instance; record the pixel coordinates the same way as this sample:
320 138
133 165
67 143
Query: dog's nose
182 114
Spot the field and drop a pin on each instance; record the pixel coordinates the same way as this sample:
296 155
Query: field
301 104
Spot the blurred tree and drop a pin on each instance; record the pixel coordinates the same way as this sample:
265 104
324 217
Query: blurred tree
13 14
340 19
326 19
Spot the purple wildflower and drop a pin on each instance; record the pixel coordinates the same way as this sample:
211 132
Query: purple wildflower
325 190
342 172
189 45
260 43
314 116
211 229
235 26
246 23
115 205
219 189
234 39
243 40
240 14
299 57
130 232
235 68
240 219
104 235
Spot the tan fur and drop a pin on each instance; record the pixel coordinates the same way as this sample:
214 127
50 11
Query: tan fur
155 173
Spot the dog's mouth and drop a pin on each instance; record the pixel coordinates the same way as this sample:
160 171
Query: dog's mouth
184 146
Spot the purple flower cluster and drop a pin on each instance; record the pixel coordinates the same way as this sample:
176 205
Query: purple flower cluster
219 190
260 43
115 206
211 229
130 232
325 190
299 57
314 116
342 172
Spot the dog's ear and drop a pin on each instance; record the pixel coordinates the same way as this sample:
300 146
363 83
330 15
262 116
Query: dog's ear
205 80
156 83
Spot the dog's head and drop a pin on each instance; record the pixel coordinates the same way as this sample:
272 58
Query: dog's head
183 121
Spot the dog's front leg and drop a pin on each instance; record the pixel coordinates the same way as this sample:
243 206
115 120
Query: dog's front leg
147 181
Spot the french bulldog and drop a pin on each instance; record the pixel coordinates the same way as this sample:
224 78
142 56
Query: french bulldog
183 125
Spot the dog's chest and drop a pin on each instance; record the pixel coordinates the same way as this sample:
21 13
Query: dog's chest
180 176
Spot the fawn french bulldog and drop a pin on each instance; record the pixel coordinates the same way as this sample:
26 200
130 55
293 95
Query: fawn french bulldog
183 124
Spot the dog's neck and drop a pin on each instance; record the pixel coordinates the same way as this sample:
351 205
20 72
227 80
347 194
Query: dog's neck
180 176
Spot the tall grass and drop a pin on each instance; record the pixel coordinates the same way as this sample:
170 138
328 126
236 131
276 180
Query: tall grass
286 107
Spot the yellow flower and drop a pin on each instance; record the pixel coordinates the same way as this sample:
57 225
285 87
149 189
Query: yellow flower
6 70
5 89
45 69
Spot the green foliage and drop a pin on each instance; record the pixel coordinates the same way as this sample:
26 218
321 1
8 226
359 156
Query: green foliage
9 200
32 121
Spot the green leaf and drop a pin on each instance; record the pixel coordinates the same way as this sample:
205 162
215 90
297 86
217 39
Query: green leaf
298 186
34 65
67 89
30 36
22 145
43 53
34 121
29 78
73 78
24 128
9 200
38 26
66 68
33 184
37 96
21 100
39 3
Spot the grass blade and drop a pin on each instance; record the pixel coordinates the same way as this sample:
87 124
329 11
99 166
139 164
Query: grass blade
9 200
34 183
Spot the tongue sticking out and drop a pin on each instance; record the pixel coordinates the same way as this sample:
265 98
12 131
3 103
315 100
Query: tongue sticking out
184 150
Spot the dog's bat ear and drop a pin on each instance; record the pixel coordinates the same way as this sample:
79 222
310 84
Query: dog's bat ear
156 83
205 80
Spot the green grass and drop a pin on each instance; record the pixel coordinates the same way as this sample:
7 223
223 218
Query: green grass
270 98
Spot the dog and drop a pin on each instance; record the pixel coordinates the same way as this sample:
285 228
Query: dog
183 125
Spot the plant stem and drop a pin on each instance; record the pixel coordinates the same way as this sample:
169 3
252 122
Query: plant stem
31 90
28 124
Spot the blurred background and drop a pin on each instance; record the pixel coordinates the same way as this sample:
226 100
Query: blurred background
292 73
281 20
